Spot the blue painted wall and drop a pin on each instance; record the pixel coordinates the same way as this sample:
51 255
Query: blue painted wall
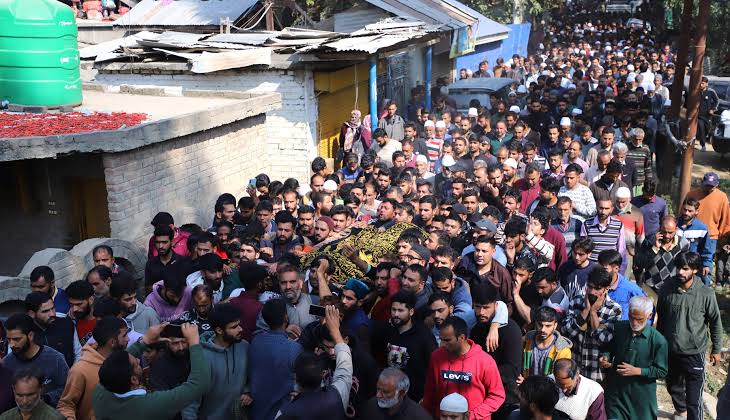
515 43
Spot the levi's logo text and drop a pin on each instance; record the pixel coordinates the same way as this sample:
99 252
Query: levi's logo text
456 376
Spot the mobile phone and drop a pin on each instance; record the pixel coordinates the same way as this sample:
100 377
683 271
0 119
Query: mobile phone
316 310
252 182
172 331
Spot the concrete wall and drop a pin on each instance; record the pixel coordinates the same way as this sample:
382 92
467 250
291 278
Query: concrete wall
290 131
184 176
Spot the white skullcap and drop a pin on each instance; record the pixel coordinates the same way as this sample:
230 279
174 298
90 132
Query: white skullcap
608 48
429 123
623 192
631 78
421 159
447 161
576 50
650 87
619 54
565 121
440 124
511 163
668 102
329 185
469 72
630 67
577 111
473 112
545 73
515 109
521 89
454 403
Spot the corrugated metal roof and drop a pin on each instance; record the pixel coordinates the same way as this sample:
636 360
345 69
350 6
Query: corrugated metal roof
429 11
184 12
486 28
370 43
245 38
358 17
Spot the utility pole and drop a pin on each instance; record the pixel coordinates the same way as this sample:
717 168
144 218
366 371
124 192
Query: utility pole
685 28
269 15
693 101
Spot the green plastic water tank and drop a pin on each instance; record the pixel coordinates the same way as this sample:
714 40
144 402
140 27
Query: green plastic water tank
39 56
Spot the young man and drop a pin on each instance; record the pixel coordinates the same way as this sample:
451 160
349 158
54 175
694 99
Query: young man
480 267
139 315
538 397
621 290
461 366
59 333
634 360
548 287
688 318
543 345
170 297
81 297
226 351
120 394
178 241
581 198
606 231
27 354
42 279
164 257
109 334
590 320
27 390
566 224
696 233
573 275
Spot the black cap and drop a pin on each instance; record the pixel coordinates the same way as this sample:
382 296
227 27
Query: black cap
459 208
210 262
162 219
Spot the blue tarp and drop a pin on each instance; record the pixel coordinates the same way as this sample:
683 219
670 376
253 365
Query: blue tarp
515 43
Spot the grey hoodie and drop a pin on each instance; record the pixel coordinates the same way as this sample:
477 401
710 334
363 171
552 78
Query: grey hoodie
229 378
142 318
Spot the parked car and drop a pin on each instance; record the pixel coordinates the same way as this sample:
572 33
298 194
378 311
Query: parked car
463 91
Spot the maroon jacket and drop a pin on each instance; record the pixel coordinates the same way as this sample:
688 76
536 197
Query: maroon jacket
249 306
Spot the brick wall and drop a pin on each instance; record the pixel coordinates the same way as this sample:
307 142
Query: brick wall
290 131
183 176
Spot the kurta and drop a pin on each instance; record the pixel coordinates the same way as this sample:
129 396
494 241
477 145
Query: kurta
634 397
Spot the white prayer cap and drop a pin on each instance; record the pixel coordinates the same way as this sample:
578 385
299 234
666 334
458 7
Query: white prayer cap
511 163
521 89
577 111
421 159
454 403
515 109
650 87
630 67
668 102
429 123
440 124
447 161
473 112
565 121
623 192
631 78
329 185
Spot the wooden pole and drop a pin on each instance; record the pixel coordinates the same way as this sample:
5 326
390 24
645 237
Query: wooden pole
270 16
685 27
693 101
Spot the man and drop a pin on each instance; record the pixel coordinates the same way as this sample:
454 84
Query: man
483 70
461 366
202 304
27 390
634 360
621 290
225 351
315 401
708 107
640 156
653 207
305 222
696 233
529 186
252 277
391 400
286 238
444 281
414 280
224 209
538 397
81 297
454 407
581 197
165 256
170 297
171 369
291 283
574 154
566 224
211 274
109 334
120 394
392 124
543 345
104 255
27 354
609 183
548 287
573 275
139 315
507 352
386 214
481 267
387 283
42 279
590 320
408 343
714 210
178 241
655 260
271 359
100 278
632 219
580 397
606 231
548 198
688 318
384 147
48 329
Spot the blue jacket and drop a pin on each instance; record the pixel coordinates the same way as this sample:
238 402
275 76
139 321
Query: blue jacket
622 294
699 239
271 357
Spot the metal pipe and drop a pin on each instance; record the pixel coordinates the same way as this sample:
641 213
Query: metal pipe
374 91
429 62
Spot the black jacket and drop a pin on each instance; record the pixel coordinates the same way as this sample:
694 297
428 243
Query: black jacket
508 355
58 336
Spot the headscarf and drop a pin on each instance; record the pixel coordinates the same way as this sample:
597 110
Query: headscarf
352 126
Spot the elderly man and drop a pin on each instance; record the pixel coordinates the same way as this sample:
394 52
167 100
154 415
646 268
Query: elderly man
632 218
634 360
580 397
391 400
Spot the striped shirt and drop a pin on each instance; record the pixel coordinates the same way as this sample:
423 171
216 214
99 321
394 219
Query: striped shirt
433 145
584 205
570 231
610 236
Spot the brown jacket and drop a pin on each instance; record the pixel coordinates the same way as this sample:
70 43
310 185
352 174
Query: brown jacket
75 402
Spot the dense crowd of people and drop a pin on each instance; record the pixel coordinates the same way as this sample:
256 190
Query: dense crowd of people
507 261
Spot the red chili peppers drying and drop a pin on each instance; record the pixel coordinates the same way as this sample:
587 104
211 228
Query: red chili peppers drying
26 125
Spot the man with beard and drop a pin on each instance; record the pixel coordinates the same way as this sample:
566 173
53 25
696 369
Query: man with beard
110 334
543 345
606 144
42 279
444 281
537 119
386 285
291 283
172 369
548 198
202 304
166 256
171 296
59 333
507 354
81 297
27 389
355 320
27 354
139 315
100 278
120 393
460 365
211 274
441 307
386 214
323 228
606 231
481 267
654 262
226 353
688 318
408 343
305 222
634 359
391 401
538 396
286 238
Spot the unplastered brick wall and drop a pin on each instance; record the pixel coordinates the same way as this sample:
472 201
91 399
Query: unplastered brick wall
290 131
183 176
